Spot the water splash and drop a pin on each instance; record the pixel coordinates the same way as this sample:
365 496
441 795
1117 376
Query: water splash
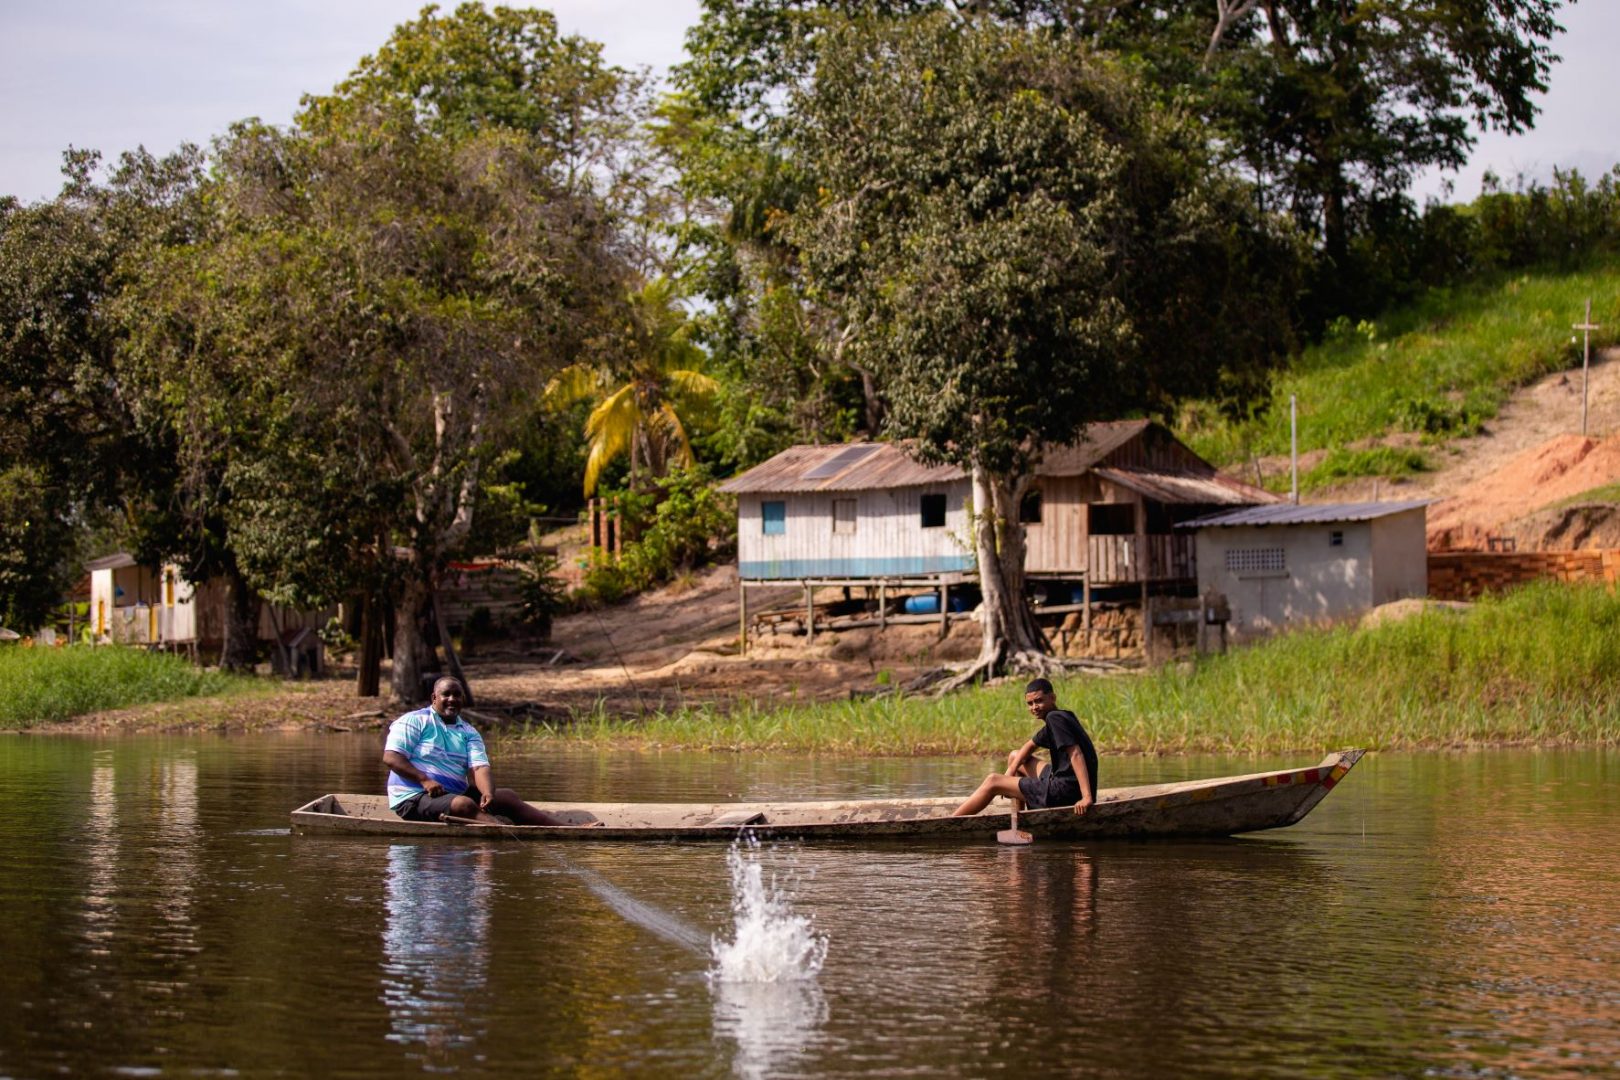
766 997
770 942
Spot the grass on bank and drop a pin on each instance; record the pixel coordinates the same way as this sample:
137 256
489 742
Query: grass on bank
50 684
1438 368
1539 666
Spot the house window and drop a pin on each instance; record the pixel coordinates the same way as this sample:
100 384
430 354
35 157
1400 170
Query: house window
1336 538
1029 511
933 511
773 516
1112 519
843 515
1255 561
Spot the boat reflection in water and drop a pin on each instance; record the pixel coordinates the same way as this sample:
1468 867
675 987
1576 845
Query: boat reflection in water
434 948
766 995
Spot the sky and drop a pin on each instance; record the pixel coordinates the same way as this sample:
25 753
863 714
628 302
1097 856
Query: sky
115 74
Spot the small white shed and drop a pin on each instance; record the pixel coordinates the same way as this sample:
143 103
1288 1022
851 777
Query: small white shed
1287 564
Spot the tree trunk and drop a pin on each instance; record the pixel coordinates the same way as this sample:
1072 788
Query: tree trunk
368 679
241 630
1011 639
450 656
411 656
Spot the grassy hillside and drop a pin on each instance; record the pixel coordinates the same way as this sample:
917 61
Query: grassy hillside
1539 666
1437 369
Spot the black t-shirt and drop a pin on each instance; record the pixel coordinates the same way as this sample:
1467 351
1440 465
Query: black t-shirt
1061 731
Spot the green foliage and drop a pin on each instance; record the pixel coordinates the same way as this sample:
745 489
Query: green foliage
74 451
45 684
543 594
1540 665
36 545
1608 493
648 393
693 524
1342 464
1018 241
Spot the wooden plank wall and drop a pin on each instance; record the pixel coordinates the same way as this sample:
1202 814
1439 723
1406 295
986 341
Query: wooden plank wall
888 526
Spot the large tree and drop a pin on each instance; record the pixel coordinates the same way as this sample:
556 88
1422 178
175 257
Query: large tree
1020 242
1330 106
72 452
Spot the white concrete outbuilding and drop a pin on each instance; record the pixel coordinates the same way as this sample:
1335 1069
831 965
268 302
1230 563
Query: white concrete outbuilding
1288 564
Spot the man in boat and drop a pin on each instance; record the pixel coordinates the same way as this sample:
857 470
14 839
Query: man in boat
433 753
1070 779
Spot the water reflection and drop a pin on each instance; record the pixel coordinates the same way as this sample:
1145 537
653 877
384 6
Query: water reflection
101 854
773 1024
435 949
178 840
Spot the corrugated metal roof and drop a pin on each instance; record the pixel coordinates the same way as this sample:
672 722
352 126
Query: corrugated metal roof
883 466
116 561
1096 442
805 468
1184 487
1302 514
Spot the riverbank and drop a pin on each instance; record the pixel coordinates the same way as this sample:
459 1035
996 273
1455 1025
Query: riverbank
45 685
1538 667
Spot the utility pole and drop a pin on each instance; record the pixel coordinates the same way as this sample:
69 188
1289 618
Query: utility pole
1586 329
1293 447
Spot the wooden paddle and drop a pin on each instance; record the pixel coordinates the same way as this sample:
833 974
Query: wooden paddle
1014 835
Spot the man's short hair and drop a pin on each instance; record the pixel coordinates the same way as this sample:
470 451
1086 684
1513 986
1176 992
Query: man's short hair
1039 686
453 681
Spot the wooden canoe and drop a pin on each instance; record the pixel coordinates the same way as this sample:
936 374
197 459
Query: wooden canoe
1220 807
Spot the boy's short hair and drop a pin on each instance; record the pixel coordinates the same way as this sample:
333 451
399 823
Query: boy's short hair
1041 685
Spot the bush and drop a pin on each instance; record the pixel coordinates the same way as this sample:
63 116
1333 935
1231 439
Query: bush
44 684
691 526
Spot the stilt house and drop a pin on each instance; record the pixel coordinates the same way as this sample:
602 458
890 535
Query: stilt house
1100 513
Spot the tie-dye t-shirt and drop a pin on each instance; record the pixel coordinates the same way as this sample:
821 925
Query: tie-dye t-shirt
437 749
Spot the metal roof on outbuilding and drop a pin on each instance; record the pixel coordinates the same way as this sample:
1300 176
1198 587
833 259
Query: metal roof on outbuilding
1302 514
116 561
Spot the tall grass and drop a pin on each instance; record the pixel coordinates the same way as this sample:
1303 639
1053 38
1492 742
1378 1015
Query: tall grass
1540 665
40 685
1437 368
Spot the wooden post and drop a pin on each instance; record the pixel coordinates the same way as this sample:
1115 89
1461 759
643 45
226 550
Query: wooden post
809 612
1085 608
1586 327
944 607
883 603
1142 571
742 617
1147 622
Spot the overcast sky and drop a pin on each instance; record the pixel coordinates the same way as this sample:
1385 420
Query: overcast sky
114 74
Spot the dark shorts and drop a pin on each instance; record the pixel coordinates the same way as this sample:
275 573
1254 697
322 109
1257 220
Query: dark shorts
424 807
1048 790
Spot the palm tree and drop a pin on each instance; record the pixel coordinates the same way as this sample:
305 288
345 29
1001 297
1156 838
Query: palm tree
640 405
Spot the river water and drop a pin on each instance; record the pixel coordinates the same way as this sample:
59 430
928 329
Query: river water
1451 915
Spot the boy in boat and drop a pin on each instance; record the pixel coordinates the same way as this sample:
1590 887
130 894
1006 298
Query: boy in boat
1071 778
430 754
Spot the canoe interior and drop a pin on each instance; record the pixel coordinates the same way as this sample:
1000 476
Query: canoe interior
1221 806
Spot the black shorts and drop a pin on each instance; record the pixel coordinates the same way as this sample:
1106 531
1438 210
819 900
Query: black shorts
1048 790
425 807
